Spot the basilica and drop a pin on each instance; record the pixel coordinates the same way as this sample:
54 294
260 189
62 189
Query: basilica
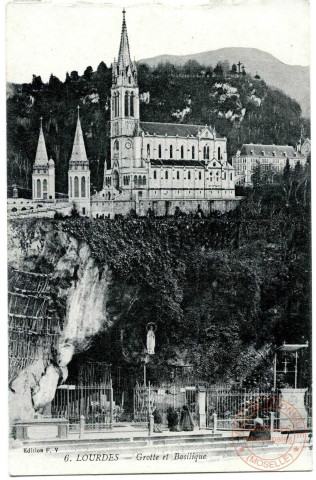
157 167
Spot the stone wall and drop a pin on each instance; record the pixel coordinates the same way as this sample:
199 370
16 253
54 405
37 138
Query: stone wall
108 208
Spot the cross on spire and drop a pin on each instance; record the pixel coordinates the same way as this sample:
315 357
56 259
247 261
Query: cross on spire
124 58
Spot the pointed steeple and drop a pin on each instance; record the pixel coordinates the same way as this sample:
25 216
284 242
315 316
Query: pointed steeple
41 152
124 57
78 149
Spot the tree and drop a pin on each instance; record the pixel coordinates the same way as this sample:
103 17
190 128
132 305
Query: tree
74 75
88 73
37 83
55 85
218 70
102 68
234 68
257 177
192 67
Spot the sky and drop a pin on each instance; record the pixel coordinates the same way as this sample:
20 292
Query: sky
45 37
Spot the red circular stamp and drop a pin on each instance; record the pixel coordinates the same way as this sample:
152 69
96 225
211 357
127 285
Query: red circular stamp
268 433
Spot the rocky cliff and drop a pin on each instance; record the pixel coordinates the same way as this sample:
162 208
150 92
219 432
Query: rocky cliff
77 293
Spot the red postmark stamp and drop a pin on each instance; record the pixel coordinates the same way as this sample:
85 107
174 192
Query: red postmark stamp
268 434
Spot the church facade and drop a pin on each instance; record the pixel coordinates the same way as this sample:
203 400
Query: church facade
157 167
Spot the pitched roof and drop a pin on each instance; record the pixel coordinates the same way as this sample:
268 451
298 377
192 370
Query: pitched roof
41 157
251 149
176 163
78 149
171 129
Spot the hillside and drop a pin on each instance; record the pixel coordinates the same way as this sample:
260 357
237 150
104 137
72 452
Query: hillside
240 107
293 80
218 304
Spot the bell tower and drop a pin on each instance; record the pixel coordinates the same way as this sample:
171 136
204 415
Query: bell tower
79 174
124 105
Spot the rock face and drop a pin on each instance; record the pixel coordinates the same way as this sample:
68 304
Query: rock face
78 289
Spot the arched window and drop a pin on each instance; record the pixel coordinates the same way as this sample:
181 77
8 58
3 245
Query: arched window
206 152
219 153
144 180
76 187
193 152
117 105
132 104
155 175
148 149
189 175
139 180
182 151
44 185
200 175
178 175
71 186
166 175
38 189
135 181
126 104
171 151
83 186
116 145
159 151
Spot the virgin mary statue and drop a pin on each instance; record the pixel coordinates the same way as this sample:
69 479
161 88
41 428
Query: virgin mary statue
151 340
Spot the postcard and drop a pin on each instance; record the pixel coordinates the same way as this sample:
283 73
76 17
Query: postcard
159 236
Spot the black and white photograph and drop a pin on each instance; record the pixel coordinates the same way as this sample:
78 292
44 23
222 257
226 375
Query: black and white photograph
159 236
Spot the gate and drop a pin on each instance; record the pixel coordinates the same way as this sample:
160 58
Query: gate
228 403
94 402
160 398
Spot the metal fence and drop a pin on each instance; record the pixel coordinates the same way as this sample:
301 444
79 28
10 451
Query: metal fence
94 402
230 404
161 398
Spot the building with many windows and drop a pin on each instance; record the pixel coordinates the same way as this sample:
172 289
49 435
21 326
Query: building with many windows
159 166
271 159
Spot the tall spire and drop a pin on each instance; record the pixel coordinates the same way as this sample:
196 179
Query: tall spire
78 149
124 58
41 152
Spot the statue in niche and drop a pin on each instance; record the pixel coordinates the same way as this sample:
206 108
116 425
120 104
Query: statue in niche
151 338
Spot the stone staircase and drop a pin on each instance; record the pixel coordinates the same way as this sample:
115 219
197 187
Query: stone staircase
213 445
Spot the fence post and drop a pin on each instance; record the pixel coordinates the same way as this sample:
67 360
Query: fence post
214 422
151 424
81 426
271 422
201 398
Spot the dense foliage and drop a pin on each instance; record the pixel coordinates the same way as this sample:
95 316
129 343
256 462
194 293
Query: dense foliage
242 108
223 290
